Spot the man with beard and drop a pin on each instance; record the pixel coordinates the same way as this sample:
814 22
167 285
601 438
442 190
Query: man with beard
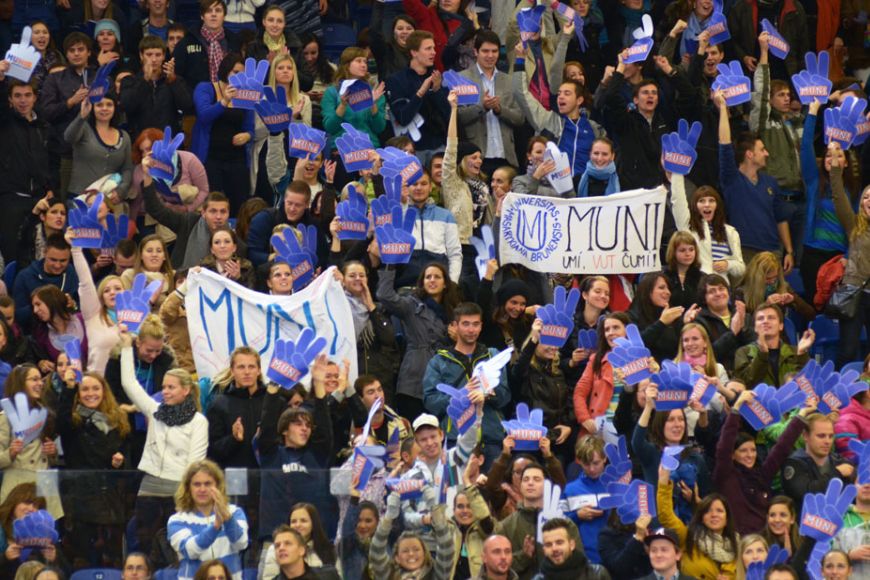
563 557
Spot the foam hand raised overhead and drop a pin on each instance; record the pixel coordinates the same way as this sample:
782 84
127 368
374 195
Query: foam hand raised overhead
467 92
485 246
841 123
529 23
812 83
305 142
527 429
618 468
778 46
770 404
840 391
366 460
22 58
631 500
73 350
292 359
551 509
395 240
164 156
643 43
352 216
815 378
736 86
302 257
631 357
133 305
397 162
558 317
355 148
676 382
678 149
26 423
273 109
460 410
85 223
249 84
117 229
822 514
99 87
410 488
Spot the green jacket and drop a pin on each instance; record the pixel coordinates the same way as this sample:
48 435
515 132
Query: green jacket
752 367
518 525
781 138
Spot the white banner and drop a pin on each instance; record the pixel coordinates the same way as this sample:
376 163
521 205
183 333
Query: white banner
222 315
617 234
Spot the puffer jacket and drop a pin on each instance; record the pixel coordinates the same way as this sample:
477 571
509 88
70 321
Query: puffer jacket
542 387
168 450
592 394
853 424
452 368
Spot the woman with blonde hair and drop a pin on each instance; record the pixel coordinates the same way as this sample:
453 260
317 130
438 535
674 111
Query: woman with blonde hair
97 309
93 429
857 226
353 66
750 549
153 261
177 436
696 349
205 525
764 283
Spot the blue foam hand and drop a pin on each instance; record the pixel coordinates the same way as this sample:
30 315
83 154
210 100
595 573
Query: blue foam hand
733 83
305 142
631 500
467 92
841 123
460 410
383 206
776 43
814 562
35 530
717 25
678 149
840 391
22 57
618 468
671 457
527 429
676 382
164 188
85 224
395 240
355 148
631 356
408 489
769 404
366 460
73 350
26 423
485 246
862 131
861 449
587 339
397 162
164 157
302 257
133 305
812 83
352 216
117 229
359 95
529 22
291 359
814 378
249 84
273 109
775 555
558 317
639 51
100 85
822 514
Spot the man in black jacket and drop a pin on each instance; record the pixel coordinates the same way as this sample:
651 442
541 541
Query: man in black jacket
199 54
155 96
563 558
24 159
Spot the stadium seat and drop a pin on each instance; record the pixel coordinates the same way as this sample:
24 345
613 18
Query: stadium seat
827 337
855 365
249 574
9 274
96 574
797 284
166 574
337 37
790 331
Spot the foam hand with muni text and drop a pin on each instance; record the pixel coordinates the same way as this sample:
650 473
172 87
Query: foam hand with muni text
527 429
678 149
558 317
133 305
352 216
812 83
396 239
85 223
99 87
460 409
733 83
302 257
292 358
273 109
249 84
770 404
643 44
26 423
631 356
355 148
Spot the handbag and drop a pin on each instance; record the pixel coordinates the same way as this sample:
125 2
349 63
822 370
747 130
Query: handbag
844 301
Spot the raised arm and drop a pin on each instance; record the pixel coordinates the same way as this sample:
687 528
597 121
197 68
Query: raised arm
132 388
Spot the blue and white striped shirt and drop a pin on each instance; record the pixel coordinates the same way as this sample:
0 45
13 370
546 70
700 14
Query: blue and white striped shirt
196 540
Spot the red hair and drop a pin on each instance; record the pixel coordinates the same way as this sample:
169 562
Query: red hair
150 134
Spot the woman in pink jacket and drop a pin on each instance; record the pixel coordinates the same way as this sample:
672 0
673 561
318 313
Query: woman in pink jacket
854 422
594 391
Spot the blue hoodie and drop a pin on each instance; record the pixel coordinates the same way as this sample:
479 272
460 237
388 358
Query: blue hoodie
34 276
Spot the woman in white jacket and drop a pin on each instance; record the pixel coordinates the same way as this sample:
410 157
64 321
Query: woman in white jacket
704 217
177 436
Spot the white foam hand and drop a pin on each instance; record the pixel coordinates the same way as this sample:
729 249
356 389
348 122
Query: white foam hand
22 58
552 507
489 371
646 29
372 412
26 423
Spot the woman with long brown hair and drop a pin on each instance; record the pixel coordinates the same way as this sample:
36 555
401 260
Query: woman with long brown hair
54 322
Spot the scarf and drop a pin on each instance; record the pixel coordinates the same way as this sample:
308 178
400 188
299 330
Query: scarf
39 243
175 415
632 20
569 570
359 312
606 173
197 245
96 418
437 308
538 85
695 361
694 27
479 200
274 45
716 547
215 52
415 575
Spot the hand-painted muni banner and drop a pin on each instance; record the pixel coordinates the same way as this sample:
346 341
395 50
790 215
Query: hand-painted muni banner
222 315
617 234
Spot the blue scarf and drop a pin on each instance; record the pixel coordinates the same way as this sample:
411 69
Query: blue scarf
693 29
632 20
608 173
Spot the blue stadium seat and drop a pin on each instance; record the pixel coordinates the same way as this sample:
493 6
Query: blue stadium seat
797 284
249 574
856 365
9 275
337 37
827 337
790 331
166 574
97 574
